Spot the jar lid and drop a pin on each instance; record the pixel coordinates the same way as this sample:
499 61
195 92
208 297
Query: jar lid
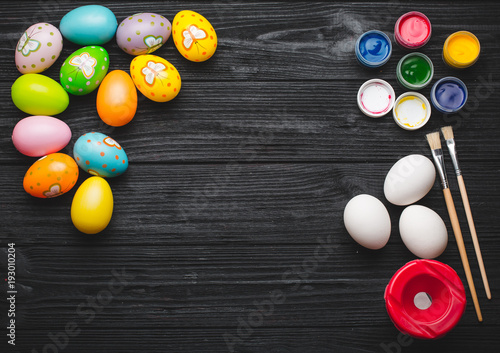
373 48
415 71
376 98
449 94
411 111
425 299
461 49
412 30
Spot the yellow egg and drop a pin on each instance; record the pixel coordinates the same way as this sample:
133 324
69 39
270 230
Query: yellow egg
155 77
194 36
92 206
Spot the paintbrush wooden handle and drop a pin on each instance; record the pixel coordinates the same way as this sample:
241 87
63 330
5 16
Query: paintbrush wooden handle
461 248
473 234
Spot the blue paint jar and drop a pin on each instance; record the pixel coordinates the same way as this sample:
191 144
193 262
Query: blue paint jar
373 48
449 95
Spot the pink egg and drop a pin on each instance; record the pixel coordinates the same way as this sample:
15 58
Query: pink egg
38 48
37 136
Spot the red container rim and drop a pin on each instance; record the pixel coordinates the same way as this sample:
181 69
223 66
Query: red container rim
414 41
442 286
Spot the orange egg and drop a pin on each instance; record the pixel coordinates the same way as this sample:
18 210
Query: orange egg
51 176
117 98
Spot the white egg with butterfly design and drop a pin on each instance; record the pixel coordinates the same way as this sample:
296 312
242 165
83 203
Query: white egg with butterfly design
38 48
143 33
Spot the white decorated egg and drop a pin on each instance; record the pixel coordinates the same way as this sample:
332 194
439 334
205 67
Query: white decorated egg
38 48
423 231
367 221
143 33
409 180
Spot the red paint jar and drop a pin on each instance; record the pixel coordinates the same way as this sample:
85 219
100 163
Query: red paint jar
412 30
425 299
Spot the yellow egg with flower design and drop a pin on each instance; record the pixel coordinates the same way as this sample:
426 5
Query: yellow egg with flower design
194 36
155 77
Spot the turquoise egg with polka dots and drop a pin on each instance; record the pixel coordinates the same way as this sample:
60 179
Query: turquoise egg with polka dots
83 71
100 155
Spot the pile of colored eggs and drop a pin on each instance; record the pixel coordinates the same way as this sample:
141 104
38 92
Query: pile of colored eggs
412 110
83 72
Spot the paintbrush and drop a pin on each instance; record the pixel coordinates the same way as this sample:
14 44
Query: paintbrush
437 154
450 142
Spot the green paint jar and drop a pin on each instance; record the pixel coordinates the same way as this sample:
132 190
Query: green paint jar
415 71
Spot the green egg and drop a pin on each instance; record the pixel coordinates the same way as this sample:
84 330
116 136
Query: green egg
37 94
83 71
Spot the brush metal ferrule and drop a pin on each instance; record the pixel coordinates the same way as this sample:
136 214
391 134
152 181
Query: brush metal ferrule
453 154
438 157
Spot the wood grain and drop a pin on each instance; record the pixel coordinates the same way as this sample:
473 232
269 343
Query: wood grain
235 191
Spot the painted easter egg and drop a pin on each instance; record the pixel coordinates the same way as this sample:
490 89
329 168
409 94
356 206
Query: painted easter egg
155 77
100 155
89 25
38 48
37 94
92 206
84 70
194 36
37 136
51 176
143 33
117 98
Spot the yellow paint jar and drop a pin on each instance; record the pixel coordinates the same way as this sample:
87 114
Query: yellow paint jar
461 49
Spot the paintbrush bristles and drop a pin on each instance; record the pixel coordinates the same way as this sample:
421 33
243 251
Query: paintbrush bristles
434 140
447 132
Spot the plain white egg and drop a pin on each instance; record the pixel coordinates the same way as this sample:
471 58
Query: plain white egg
423 231
409 179
367 221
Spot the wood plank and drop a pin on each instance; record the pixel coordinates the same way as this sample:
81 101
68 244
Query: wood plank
303 121
249 203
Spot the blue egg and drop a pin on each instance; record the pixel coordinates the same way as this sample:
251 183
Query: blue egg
89 25
373 48
100 155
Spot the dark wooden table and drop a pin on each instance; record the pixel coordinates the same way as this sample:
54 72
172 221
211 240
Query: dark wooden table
234 185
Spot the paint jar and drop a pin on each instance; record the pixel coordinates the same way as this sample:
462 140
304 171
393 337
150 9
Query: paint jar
373 48
415 71
412 30
425 299
411 111
461 49
376 98
449 95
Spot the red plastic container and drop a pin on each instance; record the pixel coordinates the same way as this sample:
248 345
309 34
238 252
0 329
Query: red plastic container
425 299
412 30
